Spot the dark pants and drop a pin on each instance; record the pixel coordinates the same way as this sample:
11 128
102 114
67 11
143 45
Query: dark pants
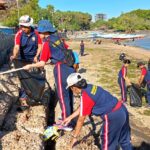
82 52
123 88
61 72
116 130
22 94
148 93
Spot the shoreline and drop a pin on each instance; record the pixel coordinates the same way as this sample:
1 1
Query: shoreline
132 51
141 43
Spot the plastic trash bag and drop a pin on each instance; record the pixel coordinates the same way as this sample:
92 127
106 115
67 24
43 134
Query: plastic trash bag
135 95
6 46
51 132
32 81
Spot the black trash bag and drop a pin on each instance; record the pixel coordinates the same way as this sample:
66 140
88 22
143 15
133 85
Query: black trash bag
32 81
6 46
135 95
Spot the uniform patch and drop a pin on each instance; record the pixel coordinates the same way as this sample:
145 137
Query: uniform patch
94 90
56 43
33 38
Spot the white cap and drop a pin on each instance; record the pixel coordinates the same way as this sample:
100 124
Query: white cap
73 79
26 21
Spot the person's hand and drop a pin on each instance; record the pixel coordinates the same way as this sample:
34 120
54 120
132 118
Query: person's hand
12 58
73 142
35 59
27 67
138 85
66 121
129 83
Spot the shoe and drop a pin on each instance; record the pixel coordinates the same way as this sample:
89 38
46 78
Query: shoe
61 127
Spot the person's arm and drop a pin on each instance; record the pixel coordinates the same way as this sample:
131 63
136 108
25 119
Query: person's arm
141 79
17 45
39 47
36 65
45 55
143 73
74 115
85 110
77 129
76 67
127 80
38 53
15 52
124 72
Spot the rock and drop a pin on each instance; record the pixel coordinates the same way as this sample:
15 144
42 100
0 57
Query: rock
19 141
10 85
32 121
5 104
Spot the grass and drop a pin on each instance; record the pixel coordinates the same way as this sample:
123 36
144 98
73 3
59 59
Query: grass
146 112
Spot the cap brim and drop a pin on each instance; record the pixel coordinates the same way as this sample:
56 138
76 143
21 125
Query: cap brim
68 86
25 24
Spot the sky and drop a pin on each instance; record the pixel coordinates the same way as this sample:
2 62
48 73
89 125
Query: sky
112 8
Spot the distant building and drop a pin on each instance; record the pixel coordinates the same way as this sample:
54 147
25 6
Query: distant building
100 17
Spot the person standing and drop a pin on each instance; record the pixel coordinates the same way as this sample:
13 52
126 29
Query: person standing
27 48
75 55
123 79
76 63
148 65
61 69
95 100
144 77
82 48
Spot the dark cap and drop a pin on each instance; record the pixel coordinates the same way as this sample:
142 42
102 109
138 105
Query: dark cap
140 63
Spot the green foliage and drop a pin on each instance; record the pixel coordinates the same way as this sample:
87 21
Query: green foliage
62 20
71 20
134 20
99 24
31 8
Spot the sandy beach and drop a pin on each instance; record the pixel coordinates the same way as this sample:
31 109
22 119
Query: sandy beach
100 66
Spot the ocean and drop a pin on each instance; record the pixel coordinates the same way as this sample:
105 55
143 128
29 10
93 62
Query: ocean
143 43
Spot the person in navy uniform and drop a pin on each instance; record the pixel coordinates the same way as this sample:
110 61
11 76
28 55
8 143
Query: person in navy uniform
82 48
61 69
144 77
97 101
123 79
27 48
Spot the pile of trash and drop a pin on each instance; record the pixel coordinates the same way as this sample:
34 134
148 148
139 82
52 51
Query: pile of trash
6 46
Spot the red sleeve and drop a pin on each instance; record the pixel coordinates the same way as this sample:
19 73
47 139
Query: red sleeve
66 45
144 71
39 39
18 37
86 105
46 53
124 71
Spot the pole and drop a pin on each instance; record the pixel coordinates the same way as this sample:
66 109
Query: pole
10 71
18 8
